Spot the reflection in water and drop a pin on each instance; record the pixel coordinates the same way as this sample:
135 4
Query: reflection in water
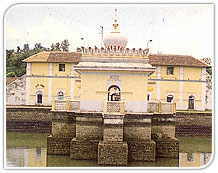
37 157
193 159
26 157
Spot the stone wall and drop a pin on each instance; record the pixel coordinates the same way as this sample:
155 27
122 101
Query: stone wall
29 126
137 128
164 126
28 114
193 124
167 148
112 153
58 145
63 124
39 120
84 150
28 119
141 150
89 128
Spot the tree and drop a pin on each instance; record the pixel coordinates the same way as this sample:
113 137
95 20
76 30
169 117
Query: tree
14 60
57 46
18 49
65 45
52 47
208 61
38 46
26 47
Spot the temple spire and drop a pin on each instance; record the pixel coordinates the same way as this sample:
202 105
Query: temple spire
116 27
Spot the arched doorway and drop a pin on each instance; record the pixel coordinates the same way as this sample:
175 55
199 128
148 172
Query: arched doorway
114 93
170 98
191 102
60 95
39 97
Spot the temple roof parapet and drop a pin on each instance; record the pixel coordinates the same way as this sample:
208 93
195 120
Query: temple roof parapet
109 52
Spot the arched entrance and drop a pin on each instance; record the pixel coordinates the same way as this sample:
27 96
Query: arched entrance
114 93
60 95
191 102
39 97
170 98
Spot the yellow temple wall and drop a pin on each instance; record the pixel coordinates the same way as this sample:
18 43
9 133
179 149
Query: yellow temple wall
49 81
132 85
52 81
192 73
39 69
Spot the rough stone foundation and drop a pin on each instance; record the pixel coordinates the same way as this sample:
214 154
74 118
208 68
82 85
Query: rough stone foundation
137 129
84 150
114 153
58 145
167 148
89 128
141 150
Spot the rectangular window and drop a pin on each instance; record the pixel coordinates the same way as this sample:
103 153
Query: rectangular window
170 70
62 67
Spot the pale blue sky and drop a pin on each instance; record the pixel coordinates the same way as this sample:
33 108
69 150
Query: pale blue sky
175 29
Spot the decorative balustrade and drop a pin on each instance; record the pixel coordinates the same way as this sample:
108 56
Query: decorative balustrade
170 77
113 52
65 105
161 107
114 107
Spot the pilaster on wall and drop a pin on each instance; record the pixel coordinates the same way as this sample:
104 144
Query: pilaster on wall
158 72
158 68
158 90
28 83
50 84
180 105
28 68
72 84
203 95
28 86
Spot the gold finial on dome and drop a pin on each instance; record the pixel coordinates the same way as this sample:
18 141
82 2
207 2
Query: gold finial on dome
115 24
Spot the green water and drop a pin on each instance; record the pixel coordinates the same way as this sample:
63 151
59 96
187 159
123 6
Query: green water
29 150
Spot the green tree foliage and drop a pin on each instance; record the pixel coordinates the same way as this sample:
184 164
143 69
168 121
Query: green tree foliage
65 45
15 67
14 60
208 61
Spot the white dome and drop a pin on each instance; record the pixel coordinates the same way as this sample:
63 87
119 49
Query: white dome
115 39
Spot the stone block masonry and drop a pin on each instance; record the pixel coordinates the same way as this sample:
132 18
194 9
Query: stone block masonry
113 128
38 119
137 129
84 150
193 124
112 153
89 128
58 145
163 126
28 119
63 124
141 150
167 147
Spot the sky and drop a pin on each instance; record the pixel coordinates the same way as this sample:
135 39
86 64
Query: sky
185 29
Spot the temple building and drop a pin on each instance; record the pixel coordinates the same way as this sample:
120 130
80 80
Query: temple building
90 76
114 104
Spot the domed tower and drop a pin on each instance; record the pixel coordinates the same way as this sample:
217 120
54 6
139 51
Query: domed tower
114 40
